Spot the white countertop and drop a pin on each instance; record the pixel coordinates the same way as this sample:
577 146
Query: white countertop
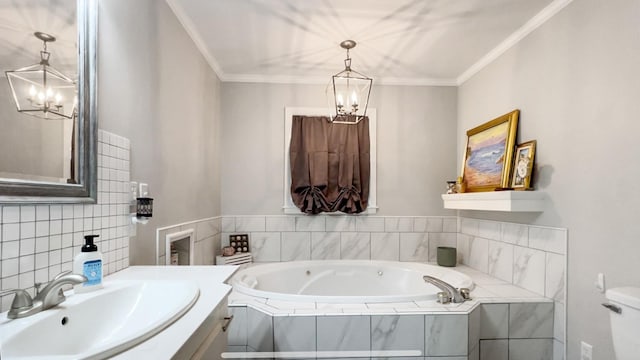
183 337
210 280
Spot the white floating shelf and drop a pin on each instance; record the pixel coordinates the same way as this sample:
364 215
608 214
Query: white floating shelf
511 201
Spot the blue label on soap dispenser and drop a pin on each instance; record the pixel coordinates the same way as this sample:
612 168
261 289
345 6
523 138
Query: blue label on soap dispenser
92 270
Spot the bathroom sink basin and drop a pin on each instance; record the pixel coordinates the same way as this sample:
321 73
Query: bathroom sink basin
99 324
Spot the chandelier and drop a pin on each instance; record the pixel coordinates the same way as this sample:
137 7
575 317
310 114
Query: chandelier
41 90
351 91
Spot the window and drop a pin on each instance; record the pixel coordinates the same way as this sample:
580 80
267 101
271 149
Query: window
289 207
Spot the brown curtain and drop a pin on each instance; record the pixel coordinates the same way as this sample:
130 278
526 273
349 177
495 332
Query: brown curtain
330 166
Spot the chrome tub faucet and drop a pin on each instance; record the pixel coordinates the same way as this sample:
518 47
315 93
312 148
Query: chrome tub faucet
452 294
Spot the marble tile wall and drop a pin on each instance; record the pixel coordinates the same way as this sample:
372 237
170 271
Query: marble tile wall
532 257
516 331
207 239
40 241
288 238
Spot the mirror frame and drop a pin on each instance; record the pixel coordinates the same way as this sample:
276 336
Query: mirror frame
86 190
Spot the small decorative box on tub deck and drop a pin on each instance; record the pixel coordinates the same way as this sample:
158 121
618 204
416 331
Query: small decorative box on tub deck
237 259
240 242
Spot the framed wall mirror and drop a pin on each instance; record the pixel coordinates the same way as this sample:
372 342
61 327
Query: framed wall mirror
48 123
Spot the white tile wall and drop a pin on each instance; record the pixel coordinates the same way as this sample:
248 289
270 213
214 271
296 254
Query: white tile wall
340 223
529 269
394 332
414 247
39 241
530 320
385 246
265 246
494 349
294 333
532 257
355 246
398 224
438 345
238 327
343 333
500 260
426 224
494 321
534 349
295 246
259 330
325 245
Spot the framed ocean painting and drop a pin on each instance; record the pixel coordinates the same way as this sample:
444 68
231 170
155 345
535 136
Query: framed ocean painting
488 156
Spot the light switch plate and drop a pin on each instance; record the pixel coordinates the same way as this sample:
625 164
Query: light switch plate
586 351
599 283
144 190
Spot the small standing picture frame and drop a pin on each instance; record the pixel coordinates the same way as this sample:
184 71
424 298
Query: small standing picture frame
523 165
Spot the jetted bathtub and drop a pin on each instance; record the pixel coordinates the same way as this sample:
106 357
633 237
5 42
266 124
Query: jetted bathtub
345 281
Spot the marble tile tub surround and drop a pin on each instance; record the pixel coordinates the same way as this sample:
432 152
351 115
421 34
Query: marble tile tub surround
531 257
40 241
502 319
328 237
207 234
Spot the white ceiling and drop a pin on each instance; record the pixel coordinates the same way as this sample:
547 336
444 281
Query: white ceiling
20 19
411 42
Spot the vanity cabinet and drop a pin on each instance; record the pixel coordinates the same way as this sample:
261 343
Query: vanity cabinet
215 342
199 333
209 341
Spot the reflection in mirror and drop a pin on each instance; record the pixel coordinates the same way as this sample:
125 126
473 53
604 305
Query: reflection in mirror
47 101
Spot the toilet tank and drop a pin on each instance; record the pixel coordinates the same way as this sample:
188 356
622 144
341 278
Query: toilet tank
625 326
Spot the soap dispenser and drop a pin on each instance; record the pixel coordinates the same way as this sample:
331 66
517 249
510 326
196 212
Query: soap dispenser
89 264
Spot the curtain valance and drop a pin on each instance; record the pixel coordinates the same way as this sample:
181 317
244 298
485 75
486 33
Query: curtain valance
330 165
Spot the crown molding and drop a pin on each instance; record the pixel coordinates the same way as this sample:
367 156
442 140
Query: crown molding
415 81
535 22
188 26
324 80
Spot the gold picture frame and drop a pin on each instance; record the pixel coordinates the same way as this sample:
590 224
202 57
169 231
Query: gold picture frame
488 156
523 160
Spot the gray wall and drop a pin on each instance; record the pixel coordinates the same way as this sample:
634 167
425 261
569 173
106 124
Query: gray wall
576 81
156 89
416 154
39 148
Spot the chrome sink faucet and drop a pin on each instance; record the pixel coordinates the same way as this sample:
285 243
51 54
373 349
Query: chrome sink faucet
51 295
453 295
